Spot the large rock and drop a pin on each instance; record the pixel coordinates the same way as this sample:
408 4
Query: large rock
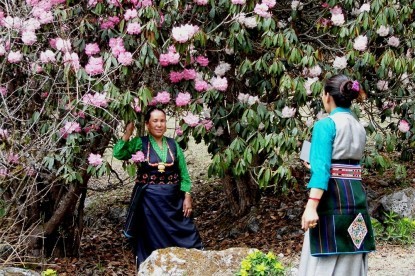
175 261
15 271
401 202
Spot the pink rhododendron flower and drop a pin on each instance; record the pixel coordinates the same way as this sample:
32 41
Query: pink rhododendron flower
208 124
238 2
72 59
308 83
383 30
336 10
222 68
393 41
32 2
201 2
92 3
382 85
133 28
117 46
176 77
189 74
115 3
130 14
3 91
201 85
95 66
4 134
2 50
14 57
179 131
262 10
63 45
12 22
203 61
269 3
3 172
92 49
70 127
183 99
47 56
125 58
29 37
144 3
97 100
338 19
219 83
288 112
138 157
163 97
32 24
191 120
95 159
314 71
403 126
340 62
360 43
184 33
110 22
136 105
46 17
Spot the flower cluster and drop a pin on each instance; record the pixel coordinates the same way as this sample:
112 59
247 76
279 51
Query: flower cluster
288 112
184 33
138 157
259 263
95 160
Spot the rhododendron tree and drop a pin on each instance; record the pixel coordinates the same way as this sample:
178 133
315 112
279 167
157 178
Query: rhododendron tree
243 76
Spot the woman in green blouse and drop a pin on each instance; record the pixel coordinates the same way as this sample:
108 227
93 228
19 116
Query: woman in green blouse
160 210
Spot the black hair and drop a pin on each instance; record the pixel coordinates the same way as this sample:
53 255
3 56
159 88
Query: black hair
149 111
340 87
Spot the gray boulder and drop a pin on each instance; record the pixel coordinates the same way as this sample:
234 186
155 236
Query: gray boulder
15 271
401 202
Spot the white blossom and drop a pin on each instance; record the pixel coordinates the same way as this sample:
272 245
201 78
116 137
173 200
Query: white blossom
340 62
382 85
383 30
360 43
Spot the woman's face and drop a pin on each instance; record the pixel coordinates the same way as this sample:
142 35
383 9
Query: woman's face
156 125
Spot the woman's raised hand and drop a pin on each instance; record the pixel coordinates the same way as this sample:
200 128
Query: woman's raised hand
128 131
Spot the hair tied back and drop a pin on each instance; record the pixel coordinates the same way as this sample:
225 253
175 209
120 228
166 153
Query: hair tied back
356 86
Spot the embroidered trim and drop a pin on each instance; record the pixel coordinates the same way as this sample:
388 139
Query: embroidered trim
346 171
358 230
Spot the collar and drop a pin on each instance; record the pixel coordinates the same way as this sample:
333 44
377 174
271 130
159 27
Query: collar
340 109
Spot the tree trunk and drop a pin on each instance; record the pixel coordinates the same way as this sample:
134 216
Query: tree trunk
241 194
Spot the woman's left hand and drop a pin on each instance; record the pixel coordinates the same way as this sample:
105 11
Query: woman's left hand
187 205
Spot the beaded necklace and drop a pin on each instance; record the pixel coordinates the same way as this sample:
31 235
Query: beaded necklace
161 155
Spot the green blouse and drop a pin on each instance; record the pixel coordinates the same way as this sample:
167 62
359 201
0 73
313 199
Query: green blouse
123 151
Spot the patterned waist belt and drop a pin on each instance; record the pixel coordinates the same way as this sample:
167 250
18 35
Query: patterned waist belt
346 171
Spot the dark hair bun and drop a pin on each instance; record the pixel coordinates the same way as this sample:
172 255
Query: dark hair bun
346 89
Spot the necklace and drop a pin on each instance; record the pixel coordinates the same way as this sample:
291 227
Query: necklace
162 164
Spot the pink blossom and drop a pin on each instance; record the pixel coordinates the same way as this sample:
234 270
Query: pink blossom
169 58
189 74
47 56
163 97
14 57
117 46
3 91
164 60
393 41
262 10
95 159
201 85
52 43
2 50
135 105
95 66
32 2
46 17
201 2
176 77
4 134
130 14
208 124
12 22
92 49
191 120
133 28
138 157
203 61
179 131
183 99
360 43
403 126
336 10
3 172
72 59
32 24
184 33
144 3
314 71
69 128
125 58
92 3
97 100
115 3
219 83
288 112
63 45
29 37
238 2
269 3
110 22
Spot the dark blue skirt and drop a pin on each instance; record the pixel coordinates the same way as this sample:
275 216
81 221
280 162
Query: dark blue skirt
157 221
